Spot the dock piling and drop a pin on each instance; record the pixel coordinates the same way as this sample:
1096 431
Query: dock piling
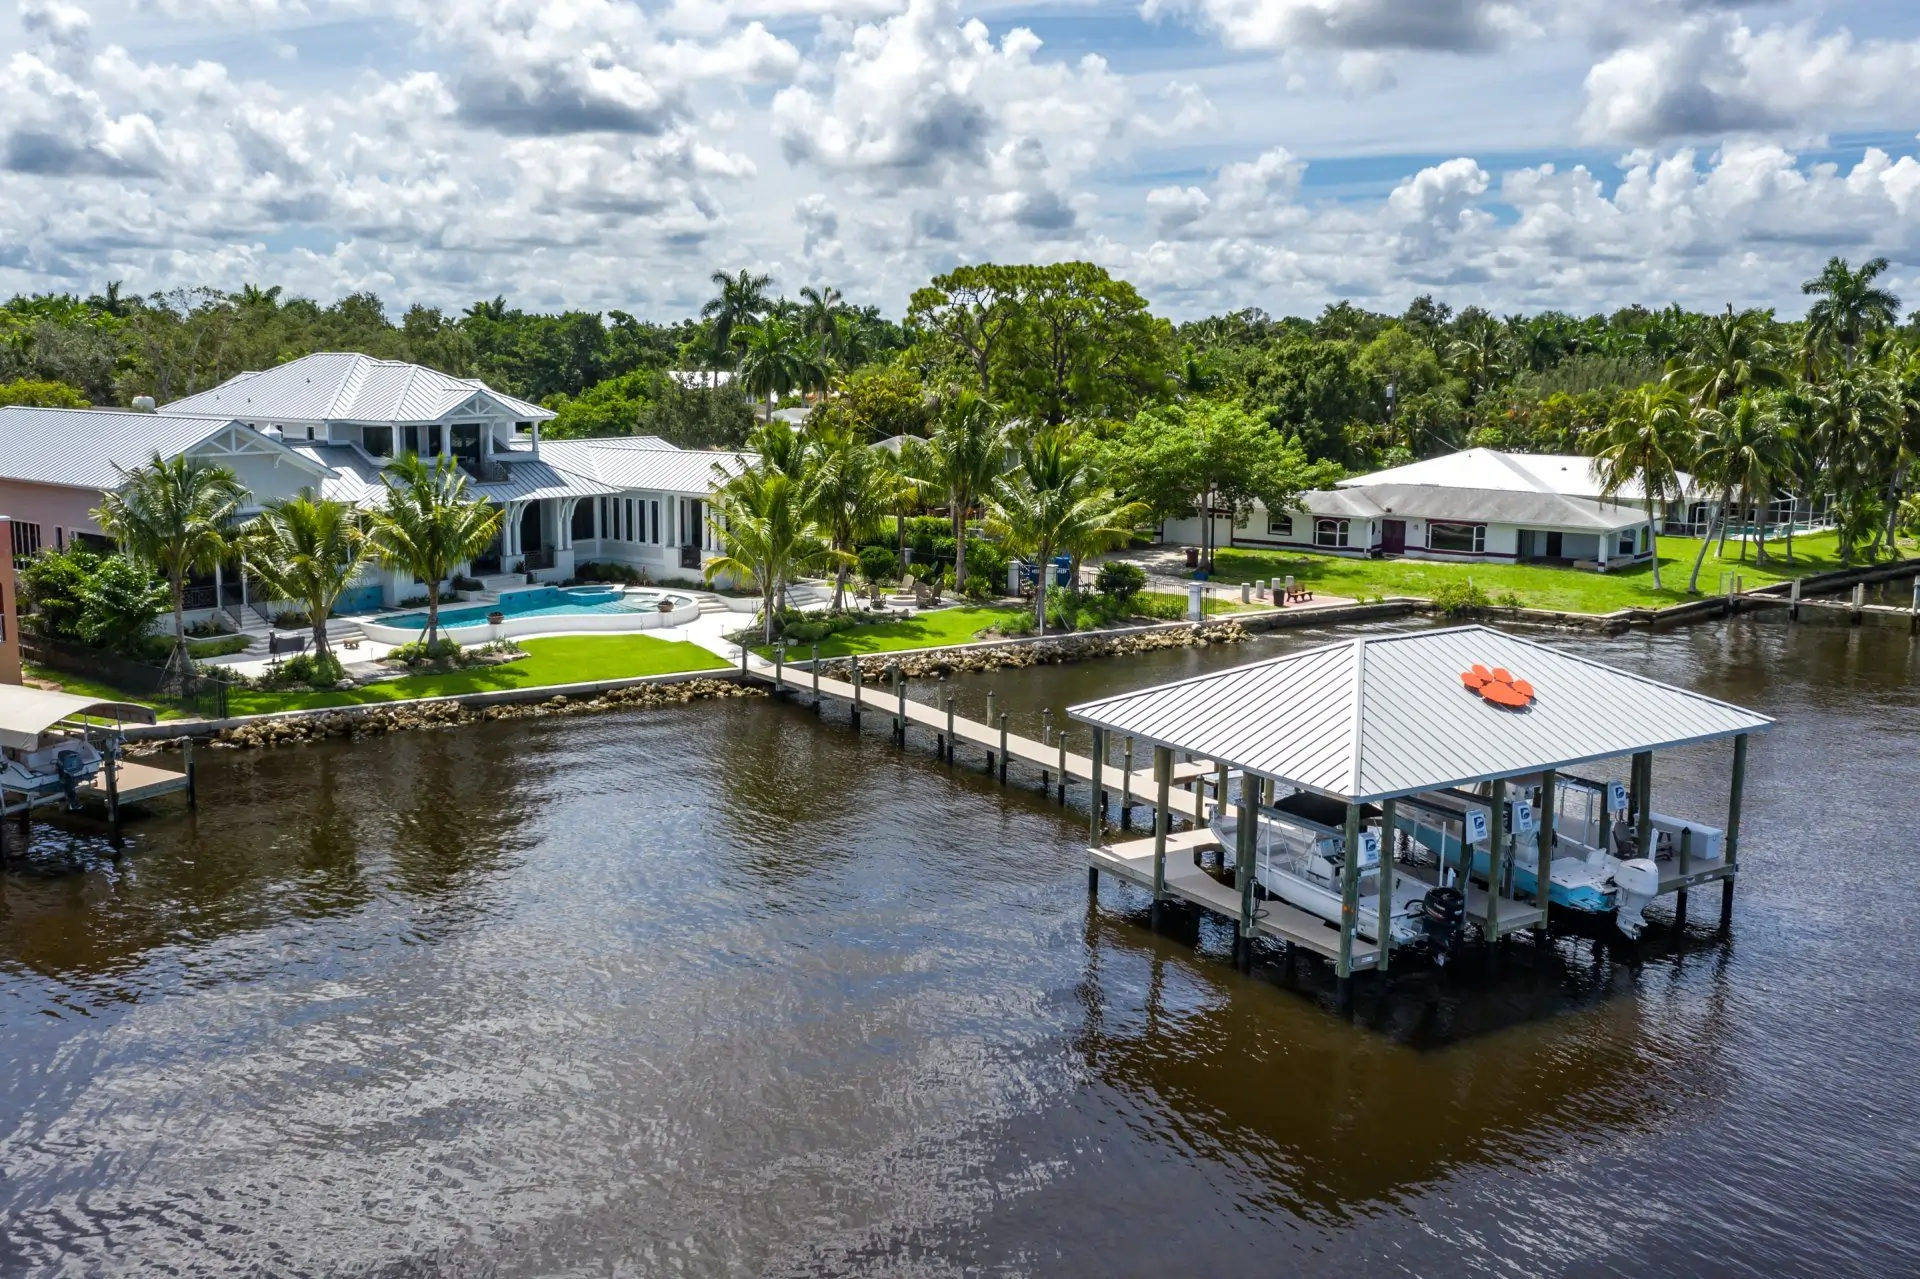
1097 809
1543 866
950 737
816 679
1126 786
1686 868
1243 867
779 665
1496 858
1732 859
1162 819
1389 836
1793 600
112 761
1061 739
1003 747
900 695
1349 897
855 663
193 773
1643 804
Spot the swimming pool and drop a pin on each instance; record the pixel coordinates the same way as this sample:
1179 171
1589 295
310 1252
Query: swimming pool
542 608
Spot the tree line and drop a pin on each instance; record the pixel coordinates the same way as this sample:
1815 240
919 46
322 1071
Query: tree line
1217 412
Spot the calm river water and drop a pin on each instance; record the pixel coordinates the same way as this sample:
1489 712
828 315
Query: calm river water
726 990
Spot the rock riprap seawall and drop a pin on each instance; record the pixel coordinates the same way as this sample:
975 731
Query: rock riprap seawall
1077 647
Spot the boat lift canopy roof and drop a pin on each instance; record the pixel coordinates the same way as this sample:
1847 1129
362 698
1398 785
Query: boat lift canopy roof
26 713
1383 716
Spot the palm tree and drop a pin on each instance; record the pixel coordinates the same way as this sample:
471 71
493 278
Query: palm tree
1052 502
427 524
1647 440
849 490
175 515
742 300
1855 417
769 535
776 359
309 550
1742 450
1851 305
1729 356
967 450
820 309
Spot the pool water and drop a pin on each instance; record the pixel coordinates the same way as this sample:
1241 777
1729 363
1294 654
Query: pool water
538 601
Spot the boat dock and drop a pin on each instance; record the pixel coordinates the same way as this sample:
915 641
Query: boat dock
38 724
1350 735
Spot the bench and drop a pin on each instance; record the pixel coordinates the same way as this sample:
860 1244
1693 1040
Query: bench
1299 595
277 645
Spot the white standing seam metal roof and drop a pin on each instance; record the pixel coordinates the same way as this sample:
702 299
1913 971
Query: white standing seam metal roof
1381 716
1473 506
349 387
641 462
1570 475
81 448
26 713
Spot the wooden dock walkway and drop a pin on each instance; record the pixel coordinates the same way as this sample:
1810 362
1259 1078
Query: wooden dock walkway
1053 758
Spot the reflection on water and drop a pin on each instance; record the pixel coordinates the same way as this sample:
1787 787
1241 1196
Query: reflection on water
723 989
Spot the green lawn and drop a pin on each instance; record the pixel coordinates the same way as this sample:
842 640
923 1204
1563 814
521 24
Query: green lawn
566 659
923 630
1565 590
82 687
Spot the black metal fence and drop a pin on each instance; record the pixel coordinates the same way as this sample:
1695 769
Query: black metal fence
137 681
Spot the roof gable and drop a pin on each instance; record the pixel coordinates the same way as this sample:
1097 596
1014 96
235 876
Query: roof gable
350 387
1385 715
90 448
1567 474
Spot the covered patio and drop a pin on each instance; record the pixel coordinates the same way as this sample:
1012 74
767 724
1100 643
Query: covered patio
1365 739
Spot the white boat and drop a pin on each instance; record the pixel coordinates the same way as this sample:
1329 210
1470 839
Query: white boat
63 763
1301 863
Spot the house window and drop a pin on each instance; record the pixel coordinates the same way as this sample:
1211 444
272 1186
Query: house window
410 439
630 536
1461 539
1626 542
26 540
582 522
1330 533
377 440
656 521
1280 525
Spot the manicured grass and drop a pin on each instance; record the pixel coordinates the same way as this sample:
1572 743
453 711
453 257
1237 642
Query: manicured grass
923 630
82 687
564 659
1537 586
1221 601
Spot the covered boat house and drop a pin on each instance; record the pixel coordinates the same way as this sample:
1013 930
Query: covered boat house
1402 739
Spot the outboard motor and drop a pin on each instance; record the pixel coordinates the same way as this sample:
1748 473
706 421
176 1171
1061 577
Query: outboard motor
1638 882
68 762
1442 913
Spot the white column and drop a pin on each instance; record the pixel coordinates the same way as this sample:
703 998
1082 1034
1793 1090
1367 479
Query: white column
671 517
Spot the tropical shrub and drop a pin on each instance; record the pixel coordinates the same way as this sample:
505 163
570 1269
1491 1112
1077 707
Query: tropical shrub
987 559
421 651
100 601
879 563
315 670
1459 599
1161 608
979 588
1118 579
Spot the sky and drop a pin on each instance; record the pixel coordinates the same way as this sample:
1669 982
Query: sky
1521 155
